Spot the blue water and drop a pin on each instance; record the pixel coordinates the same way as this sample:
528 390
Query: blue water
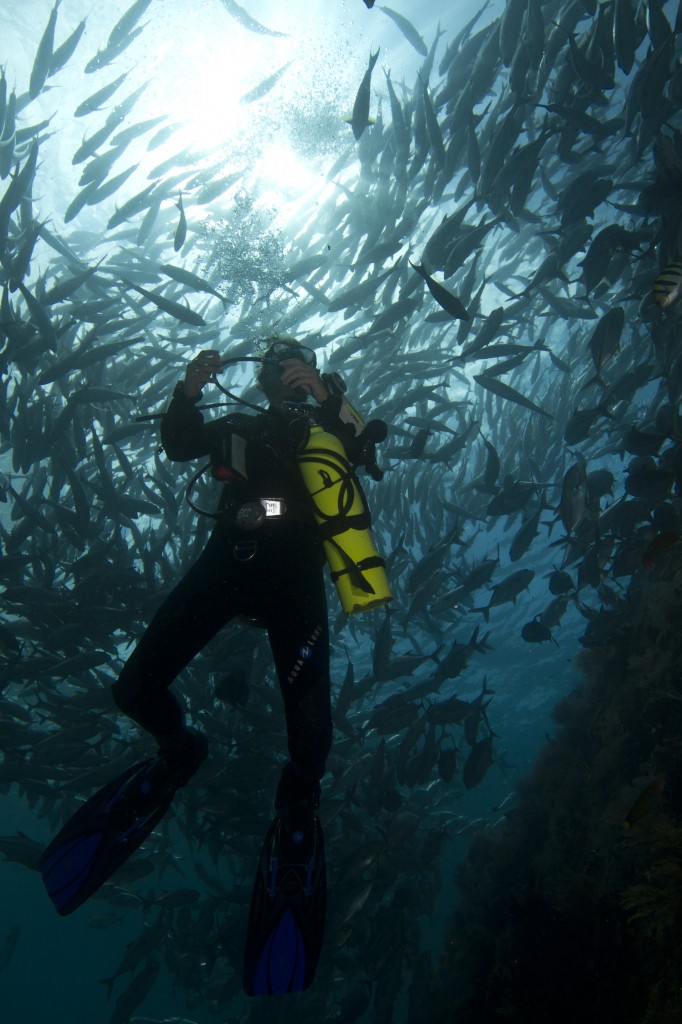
197 62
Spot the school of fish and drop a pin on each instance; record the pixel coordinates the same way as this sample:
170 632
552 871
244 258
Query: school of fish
495 269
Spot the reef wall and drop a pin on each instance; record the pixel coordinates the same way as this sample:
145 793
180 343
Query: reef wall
572 911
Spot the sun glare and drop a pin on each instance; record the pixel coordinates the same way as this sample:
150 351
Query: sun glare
280 170
202 79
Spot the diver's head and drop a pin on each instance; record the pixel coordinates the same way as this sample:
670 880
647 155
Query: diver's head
275 350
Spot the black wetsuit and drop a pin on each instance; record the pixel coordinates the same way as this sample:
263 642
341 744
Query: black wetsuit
273 573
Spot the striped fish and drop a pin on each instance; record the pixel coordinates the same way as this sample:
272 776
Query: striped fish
667 285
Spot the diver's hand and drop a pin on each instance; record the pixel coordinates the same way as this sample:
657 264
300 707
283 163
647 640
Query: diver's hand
297 374
200 371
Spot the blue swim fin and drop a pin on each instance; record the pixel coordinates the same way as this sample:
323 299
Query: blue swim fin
104 832
288 908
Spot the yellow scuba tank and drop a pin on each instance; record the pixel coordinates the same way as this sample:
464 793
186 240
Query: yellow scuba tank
343 516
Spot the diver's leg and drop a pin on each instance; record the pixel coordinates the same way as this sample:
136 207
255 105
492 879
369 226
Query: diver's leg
288 906
204 600
299 638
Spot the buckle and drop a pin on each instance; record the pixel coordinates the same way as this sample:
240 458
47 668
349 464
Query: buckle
244 550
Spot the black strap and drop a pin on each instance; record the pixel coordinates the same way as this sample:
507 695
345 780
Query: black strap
341 520
373 562
355 569
336 525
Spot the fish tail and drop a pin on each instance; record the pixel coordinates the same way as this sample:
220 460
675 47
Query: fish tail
482 646
109 984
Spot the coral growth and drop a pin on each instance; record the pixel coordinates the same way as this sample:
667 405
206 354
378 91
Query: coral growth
573 912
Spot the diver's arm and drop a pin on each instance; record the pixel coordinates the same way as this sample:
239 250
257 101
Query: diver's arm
358 438
338 416
337 412
183 432
336 407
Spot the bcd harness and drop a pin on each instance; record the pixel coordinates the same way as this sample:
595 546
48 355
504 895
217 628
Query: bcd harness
338 501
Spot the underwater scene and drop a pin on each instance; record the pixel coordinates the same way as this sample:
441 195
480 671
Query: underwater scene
462 225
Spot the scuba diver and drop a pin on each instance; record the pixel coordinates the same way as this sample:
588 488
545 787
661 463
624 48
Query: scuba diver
264 560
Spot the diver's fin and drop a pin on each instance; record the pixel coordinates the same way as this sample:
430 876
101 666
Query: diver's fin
104 832
288 908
